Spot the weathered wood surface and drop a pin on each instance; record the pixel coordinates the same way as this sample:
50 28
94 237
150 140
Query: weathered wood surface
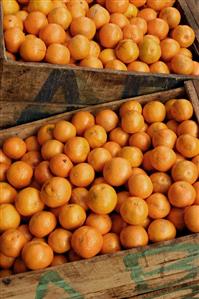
194 8
28 129
44 83
165 270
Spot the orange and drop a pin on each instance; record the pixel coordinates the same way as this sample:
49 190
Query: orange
159 4
111 243
28 202
185 171
186 52
138 3
164 137
117 223
140 23
59 240
33 158
134 210
11 242
76 10
10 7
117 6
102 199
94 50
112 147
179 157
58 260
162 158
79 47
171 15
51 148
191 218
187 145
9 217
176 216
107 55
121 196
82 175
195 68
133 32
161 182
57 54
156 126
8 193
6 262
3 170
52 33
4 158
102 223
182 64
96 136
188 127
127 51
14 148
99 180
99 15
132 154
107 118
25 230
119 19
132 122
147 13
136 170
117 171
146 162
22 15
60 165
59 3
154 111
161 230
140 185
19 266
91 61
169 48
184 35
196 187
116 64
82 3
98 157
77 149
34 22
195 160
181 194
158 27
140 140
153 37
158 206
42 172
33 49
173 125
84 26
133 236
19 174
79 196
110 35
130 106
150 50
72 216
87 241
43 6
60 16
82 120
55 192
159 67
181 110
37 255
42 223
11 21
45 133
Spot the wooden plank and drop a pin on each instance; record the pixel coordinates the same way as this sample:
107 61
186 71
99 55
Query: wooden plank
28 129
192 89
194 8
125 274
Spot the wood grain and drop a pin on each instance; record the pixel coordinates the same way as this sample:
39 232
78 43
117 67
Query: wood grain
126 274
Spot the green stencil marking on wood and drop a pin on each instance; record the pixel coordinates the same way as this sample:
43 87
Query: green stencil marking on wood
139 274
56 279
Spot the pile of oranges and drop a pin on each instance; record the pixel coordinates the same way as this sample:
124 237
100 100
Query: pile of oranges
133 35
99 183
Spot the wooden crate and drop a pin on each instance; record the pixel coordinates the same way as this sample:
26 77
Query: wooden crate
31 89
164 270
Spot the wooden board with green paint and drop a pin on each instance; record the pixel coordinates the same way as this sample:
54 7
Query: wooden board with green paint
167 270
